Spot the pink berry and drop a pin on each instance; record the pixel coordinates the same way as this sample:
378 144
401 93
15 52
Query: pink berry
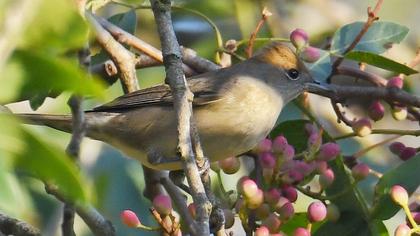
230 165
280 203
264 146
360 171
272 222
399 113
317 212
396 82
321 166
310 54
399 195
249 188
328 151
272 196
262 211
326 178
299 38
279 144
303 167
311 129
289 152
407 153
396 147
333 213
376 111
314 141
262 231
402 230
256 200
229 218
162 203
301 232
290 193
239 184
362 127
267 160
293 177
286 211
130 219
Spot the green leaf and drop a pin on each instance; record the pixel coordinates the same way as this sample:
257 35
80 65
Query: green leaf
294 131
406 175
379 37
298 220
40 159
39 74
57 27
126 21
321 69
380 61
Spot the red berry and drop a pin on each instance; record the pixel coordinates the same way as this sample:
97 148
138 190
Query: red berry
301 232
162 203
407 153
267 160
289 152
280 203
230 165
317 212
249 188
299 38
272 222
399 195
376 111
264 146
396 147
360 171
272 196
321 166
286 211
326 178
130 219
262 231
362 127
396 82
328 151
290 193
279 144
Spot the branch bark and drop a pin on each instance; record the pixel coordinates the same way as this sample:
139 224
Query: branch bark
12 226
183 108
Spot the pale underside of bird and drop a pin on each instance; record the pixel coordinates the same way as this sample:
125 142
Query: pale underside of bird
234 108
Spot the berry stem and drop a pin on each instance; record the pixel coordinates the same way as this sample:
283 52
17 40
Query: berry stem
410 217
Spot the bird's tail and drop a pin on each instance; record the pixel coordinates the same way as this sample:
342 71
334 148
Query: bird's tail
60 122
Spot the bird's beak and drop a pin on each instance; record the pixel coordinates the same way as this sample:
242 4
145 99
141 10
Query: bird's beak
317 87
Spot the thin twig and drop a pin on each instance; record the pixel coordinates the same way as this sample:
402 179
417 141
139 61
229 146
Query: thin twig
370 77
264 16
383 131
340 115
183 108
379 144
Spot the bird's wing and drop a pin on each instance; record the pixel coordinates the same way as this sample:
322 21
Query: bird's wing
203 89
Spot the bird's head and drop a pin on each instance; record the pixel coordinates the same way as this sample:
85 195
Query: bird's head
292 77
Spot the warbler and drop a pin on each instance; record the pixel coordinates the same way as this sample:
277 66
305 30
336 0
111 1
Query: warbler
234 108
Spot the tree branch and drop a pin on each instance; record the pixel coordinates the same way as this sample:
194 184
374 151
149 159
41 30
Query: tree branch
11 226
183 108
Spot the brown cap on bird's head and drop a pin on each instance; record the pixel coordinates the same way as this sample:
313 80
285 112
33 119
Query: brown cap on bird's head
278 54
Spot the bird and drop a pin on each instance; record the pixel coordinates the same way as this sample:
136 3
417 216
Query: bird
234 108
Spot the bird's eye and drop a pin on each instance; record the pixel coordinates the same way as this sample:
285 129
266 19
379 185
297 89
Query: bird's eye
293 74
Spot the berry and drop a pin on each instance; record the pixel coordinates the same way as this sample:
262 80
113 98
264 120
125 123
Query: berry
290 193
256 200
272 222
267 160
289 152
229 218
376 111
402 230
396 147
395 82
262 211
407 153
130 219
326 178
230 165
280 203
399 113
321 166
249 188
333 213
328 151
299 38
399 195
272 196
311 129
262 231
362 127
264 146
279 144
239 184
314 141
310 54
317 212
301 232
360 171
162 203
286 211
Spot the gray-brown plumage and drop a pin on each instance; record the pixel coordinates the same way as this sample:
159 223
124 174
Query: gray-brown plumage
234 108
